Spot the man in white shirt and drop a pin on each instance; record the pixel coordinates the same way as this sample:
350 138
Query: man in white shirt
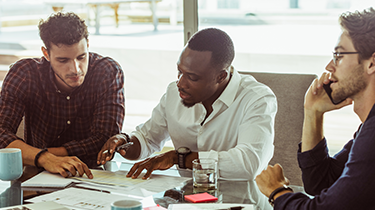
211 111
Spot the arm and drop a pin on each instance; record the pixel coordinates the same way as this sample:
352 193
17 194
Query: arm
14 96
352 190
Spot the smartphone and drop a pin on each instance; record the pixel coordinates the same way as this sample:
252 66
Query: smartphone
327 88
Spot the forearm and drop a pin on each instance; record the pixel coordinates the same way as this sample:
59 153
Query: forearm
28 152
312 132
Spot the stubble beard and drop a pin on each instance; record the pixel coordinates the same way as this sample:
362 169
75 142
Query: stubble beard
351 86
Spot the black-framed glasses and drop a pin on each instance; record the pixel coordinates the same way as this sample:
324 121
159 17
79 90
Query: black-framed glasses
338 55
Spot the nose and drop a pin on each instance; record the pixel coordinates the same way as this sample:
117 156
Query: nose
75 67
181 81
330 66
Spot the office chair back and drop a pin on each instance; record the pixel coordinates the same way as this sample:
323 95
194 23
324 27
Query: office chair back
290 91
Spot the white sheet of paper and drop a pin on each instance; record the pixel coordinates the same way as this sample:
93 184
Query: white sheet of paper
80 199
118 183
50 205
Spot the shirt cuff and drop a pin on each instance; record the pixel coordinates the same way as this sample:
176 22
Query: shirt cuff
313 156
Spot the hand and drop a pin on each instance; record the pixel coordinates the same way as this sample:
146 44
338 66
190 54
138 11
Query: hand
316 98
64 165
271 179
109 148
159 162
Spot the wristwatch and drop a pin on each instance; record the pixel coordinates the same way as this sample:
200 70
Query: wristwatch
182 152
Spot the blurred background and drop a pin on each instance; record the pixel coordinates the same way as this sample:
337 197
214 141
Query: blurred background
146 38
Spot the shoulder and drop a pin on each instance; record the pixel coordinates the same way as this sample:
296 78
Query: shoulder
250 87
104 65
28 68
102 69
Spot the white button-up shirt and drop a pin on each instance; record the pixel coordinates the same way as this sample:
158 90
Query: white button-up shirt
238 133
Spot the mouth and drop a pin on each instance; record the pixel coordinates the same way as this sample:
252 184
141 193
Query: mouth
75 78
183 94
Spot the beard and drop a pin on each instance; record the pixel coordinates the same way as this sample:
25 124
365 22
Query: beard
349 87
188 105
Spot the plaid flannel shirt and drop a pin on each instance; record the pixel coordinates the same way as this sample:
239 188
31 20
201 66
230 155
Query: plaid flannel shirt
80 121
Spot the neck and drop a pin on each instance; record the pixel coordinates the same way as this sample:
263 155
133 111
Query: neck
208 103
67 88
363 102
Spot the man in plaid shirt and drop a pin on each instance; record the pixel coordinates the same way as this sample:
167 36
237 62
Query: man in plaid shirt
72 100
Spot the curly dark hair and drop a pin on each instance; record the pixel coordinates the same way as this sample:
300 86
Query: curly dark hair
216 41
361 29
62 28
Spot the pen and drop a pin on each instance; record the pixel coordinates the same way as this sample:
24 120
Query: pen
124 146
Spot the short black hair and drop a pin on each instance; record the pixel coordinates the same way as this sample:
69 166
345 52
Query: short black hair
216 41
62 28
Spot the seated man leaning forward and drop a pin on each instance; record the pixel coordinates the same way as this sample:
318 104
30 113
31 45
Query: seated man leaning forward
72 100
211 111
346 180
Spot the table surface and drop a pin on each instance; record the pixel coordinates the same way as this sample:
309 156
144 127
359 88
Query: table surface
239 192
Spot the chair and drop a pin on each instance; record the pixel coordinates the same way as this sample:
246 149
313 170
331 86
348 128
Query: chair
290 90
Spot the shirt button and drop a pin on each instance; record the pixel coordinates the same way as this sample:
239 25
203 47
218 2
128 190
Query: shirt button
58 137
68 97
68 122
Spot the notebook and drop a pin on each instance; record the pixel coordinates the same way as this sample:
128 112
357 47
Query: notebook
48 180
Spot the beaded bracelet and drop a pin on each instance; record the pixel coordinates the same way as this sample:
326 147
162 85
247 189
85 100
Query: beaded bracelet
37 157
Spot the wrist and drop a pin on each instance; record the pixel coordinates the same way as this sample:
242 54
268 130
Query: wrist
38 160
278 192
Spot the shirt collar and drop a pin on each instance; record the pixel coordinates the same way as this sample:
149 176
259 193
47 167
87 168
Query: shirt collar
229 93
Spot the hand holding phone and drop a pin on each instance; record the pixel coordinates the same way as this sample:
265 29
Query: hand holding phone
327 88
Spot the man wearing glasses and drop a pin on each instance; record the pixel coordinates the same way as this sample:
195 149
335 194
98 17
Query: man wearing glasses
346 180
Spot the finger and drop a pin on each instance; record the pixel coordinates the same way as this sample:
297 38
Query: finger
148 173
70 168
79 168
327 78
313 86
87 171
99 158
138 172
106 156
132 170
63 173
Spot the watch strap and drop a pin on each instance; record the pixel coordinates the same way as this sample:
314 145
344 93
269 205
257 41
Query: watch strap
271 199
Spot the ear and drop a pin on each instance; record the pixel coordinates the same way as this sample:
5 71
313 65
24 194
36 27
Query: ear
88 44
45 53
222 76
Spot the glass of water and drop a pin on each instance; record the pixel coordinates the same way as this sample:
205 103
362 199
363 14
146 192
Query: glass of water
205 173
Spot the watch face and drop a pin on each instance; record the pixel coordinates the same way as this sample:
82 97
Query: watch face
183 150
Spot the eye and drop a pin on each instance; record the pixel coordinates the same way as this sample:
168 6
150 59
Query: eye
81 57
63 60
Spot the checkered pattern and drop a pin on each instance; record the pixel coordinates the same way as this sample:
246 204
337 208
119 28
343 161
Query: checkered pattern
81 121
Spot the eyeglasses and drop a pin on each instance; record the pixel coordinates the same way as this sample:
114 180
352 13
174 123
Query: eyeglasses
338 55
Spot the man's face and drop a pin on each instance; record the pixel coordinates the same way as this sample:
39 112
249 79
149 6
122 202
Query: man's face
348 75
197 79
69 62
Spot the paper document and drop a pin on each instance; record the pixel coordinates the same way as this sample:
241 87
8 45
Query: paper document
111 178
114 182
80 199
50 205
47 179
208 206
